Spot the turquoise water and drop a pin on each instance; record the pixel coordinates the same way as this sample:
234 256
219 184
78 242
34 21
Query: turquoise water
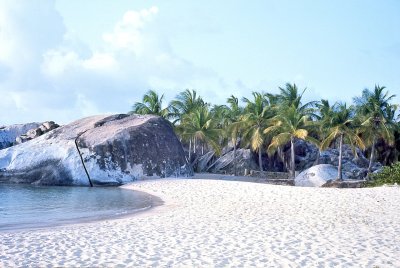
24 207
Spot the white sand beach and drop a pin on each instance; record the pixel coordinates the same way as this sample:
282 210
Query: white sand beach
214 223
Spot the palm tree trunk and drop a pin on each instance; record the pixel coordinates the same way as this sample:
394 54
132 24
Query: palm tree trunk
234 158
371 158
340 178
190 147
318 158
259 159
292 162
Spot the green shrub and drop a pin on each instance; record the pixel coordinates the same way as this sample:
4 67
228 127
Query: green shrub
388 175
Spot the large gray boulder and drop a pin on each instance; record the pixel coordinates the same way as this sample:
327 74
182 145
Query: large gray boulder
316 176
108 150
8 134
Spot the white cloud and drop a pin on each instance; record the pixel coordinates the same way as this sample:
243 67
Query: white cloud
130 32
46 73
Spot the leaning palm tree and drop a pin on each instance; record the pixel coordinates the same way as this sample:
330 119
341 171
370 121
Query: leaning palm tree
286 127
254 121
343 127
151 104
374 108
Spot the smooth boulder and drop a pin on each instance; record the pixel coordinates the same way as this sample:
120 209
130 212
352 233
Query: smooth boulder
106 150
316 176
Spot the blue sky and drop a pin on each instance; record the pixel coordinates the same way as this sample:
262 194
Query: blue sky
61 60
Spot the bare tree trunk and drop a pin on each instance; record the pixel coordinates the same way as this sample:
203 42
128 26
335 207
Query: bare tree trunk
292 162
340 178
260 159
194 145
371 158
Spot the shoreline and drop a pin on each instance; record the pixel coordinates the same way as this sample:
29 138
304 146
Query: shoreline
227 223
154 201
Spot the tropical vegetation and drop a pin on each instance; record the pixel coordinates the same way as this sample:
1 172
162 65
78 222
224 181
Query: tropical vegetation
269 123
388 175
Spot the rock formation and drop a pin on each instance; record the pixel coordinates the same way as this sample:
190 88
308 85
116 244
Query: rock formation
225 163
106 150
354 167
316 176
8 134
36 132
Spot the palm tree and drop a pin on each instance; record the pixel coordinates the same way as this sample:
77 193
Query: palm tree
287 126
185 103
200 126
152 104
374 107
254 121
321 125
290 96
342 127
233 128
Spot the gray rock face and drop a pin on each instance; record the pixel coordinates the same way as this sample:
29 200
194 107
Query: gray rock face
226 164
36 132
316 176
353 167
305 154
8 134
110 150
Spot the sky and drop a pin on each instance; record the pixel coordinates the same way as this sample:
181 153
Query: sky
62 60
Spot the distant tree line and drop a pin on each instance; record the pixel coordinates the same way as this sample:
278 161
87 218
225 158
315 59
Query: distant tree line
267 122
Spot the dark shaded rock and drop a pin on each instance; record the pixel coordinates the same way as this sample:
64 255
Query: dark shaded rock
204 161
353 166
114 150
226 164
305 154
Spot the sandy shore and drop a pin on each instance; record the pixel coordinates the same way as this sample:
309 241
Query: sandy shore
212 223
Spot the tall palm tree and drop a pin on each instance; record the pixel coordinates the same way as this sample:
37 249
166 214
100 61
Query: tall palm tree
151 104
288 125
320 125
234 129
254 121
199 126
291 96
344 128
185 103
374 108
